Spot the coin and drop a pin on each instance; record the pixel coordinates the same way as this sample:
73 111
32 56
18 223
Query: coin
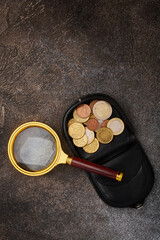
91 116
76 130
83 111
90 135
116 125
92 147
79 119
92 124
104 135
81 142
104 123
99 122
102 110
92 104
72 120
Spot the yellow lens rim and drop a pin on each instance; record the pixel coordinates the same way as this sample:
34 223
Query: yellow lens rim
11 144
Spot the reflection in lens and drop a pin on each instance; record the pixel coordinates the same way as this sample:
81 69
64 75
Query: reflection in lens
34 148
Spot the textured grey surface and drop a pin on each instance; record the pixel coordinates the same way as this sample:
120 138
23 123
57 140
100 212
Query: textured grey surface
51 53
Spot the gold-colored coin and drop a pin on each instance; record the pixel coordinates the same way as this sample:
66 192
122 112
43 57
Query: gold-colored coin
92 116
76 130
92 147
104 135
72 120
81 142
79 119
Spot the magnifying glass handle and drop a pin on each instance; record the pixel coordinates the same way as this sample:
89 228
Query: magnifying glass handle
95 168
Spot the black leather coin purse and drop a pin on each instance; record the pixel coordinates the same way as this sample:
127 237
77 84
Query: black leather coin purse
123 154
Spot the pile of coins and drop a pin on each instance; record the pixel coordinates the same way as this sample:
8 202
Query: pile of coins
93 119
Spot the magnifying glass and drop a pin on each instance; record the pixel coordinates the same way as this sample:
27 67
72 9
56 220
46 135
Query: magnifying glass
34 149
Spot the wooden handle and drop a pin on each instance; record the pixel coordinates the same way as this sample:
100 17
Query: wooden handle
95 168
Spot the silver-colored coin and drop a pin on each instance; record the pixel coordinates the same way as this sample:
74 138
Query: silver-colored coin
102 110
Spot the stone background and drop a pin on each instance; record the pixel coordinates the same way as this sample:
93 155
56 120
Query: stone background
51 53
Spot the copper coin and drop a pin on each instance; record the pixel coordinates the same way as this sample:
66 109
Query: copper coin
79 119
92 124
83 111
92 104
104 123
91 116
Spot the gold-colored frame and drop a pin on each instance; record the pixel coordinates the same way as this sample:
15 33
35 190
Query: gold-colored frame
56 160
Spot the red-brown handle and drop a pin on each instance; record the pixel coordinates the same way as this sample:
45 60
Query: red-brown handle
95 168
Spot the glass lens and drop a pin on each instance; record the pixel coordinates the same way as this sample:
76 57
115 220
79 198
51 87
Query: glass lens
34 148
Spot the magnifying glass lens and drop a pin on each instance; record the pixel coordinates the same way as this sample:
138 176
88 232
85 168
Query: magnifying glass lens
34 148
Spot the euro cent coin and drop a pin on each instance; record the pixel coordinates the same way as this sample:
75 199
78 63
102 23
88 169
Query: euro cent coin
92 147
83 111
91 116
81 142
79 119
92 124
72 120
76 130
104 135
